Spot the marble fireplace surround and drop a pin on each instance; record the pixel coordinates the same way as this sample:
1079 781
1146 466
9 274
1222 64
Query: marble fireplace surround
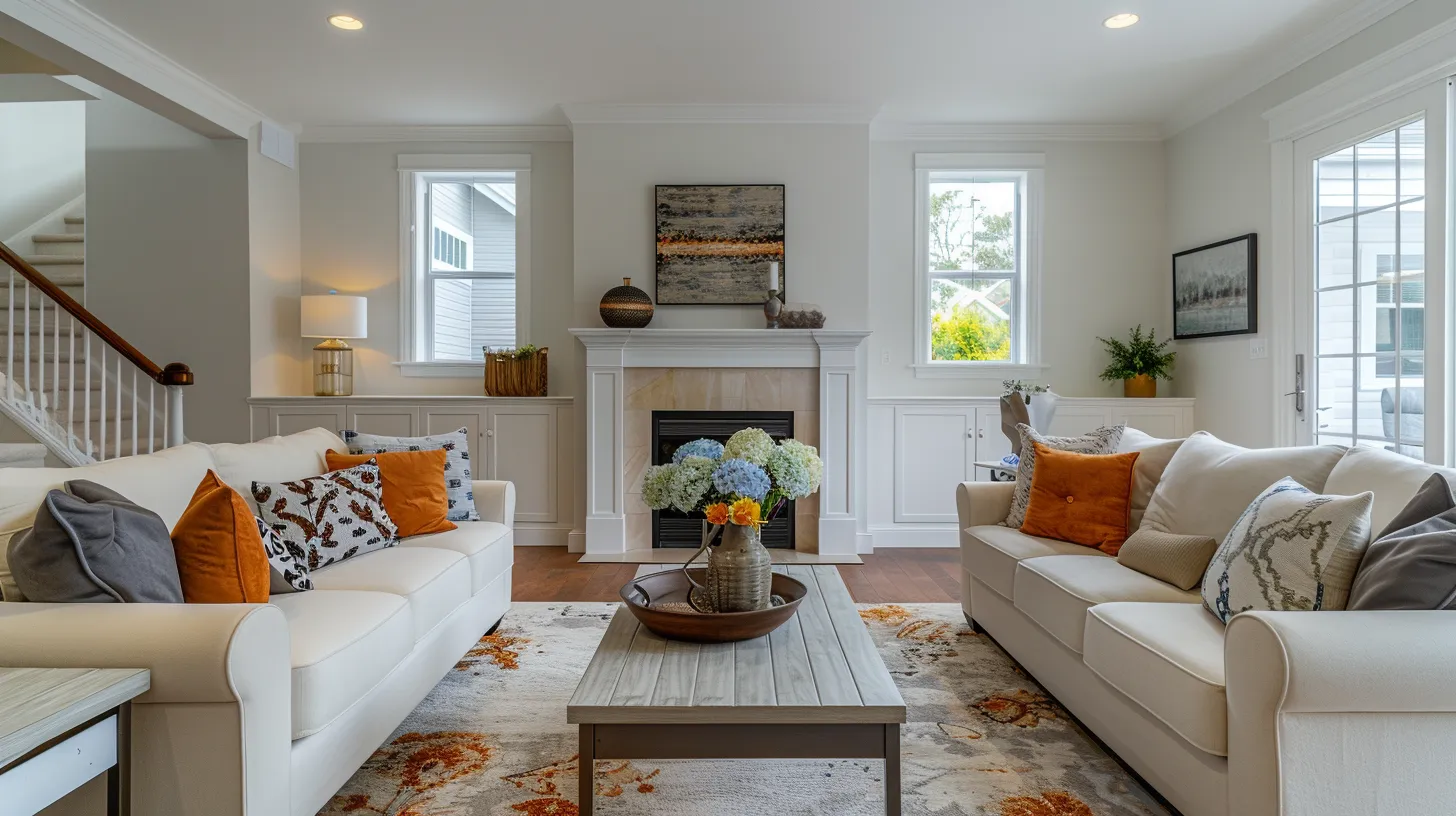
817 374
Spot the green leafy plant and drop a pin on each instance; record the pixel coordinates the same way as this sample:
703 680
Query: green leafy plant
968 334
1141 354
512 353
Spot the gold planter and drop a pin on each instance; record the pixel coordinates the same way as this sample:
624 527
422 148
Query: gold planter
1141 386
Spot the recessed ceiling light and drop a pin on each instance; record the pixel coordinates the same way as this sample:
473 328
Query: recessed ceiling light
1121 20
346 22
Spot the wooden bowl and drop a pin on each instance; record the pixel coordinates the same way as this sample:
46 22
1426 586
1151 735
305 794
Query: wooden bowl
660 602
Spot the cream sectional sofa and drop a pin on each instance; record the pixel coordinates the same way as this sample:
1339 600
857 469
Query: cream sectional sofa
266 709
1289 713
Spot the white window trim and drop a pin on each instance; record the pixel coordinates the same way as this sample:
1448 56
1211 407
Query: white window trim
414 255
1032 165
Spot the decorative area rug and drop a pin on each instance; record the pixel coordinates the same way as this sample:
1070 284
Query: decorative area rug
982 738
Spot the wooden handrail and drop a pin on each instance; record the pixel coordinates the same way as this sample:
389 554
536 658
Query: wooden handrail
171 374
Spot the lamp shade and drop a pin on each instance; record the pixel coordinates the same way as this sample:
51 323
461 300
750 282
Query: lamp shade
335 316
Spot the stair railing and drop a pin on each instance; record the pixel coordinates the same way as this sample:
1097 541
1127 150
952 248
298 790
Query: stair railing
76 384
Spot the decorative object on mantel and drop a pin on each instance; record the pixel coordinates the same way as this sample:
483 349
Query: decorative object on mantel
1139 363
713 240
801 316
738 487
773 307
626 307
661 603
518 372
1025 403
1216 289
335 318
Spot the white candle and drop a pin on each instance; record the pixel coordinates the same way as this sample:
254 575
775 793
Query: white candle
773 275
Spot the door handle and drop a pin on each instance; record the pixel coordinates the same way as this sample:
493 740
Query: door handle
1298 392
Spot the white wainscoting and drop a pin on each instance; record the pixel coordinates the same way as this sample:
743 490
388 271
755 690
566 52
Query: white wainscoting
920 448
527 440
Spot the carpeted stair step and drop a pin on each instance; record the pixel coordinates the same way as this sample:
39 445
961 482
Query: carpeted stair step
76 224
70 245
22 455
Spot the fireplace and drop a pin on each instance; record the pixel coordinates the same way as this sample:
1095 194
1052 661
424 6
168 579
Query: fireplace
672 429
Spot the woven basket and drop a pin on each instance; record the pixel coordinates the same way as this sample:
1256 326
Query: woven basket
509 376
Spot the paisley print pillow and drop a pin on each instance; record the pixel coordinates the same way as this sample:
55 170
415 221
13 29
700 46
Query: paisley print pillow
331 517
456 444
287 572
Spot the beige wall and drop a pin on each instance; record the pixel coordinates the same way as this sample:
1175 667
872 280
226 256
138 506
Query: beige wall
350 220
1219 187
1103 224
42 162
280 366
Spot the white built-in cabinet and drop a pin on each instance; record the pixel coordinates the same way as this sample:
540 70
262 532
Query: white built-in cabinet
526 441
920 449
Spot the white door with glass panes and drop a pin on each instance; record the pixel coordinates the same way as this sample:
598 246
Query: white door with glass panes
1371 280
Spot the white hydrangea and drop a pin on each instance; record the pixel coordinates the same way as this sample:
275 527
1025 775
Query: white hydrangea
808 456
657 486
790 476
750 444
690 481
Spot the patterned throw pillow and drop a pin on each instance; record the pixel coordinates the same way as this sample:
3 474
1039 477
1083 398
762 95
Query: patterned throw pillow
287 570
1291 550
1100 441
331 517
457 462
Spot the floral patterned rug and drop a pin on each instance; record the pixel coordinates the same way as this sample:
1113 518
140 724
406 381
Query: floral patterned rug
982 738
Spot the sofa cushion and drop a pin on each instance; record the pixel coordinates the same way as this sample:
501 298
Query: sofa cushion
1167 658
1102 440
456 445
1056 591
342 644
221 557
435 582
993 552
1209 483
1080 498
332 517
1179 560
275 459
487 544
1154 454
1393 478
414 487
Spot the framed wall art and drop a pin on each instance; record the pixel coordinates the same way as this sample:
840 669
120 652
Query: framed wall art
1215 289
715 242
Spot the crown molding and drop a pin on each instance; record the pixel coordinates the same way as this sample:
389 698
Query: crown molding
357 134
887 131
711 114
135 69
1281 61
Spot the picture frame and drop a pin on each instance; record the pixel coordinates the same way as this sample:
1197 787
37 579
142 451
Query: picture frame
1216 289
713 243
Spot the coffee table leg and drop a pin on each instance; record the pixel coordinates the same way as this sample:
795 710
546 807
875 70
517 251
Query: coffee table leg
892 769
586 768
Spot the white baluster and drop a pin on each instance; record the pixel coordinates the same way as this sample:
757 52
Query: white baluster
56 369
38 397
25 343
71 389
86 392
10 347
101 446
152 417
118 406
135 420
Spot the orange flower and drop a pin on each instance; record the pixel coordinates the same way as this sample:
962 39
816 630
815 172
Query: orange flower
716 513
745 512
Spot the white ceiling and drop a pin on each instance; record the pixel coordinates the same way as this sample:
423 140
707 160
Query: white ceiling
478 62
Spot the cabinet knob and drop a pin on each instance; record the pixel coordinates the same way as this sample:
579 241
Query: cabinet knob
490 433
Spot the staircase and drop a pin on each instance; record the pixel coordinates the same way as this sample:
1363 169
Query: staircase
66 378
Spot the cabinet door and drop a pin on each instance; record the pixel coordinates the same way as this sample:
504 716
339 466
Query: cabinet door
282 420
521 448
385 420
1154 420
1075 420
448 420
935 450
991 444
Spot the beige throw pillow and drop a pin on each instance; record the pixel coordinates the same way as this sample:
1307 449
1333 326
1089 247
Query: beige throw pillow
1179 560
1154 454
1209 483
1100 441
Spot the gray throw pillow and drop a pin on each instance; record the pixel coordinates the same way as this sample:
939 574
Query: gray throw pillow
90 544
1412 564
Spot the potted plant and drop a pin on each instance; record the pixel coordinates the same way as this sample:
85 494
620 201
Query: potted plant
1139 363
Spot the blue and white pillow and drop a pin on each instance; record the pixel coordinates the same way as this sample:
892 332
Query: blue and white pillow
458 488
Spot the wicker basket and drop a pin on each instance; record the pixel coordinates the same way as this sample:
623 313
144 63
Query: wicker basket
507 375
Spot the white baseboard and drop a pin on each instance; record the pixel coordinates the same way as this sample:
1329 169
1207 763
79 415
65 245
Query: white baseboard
576 541
527 536
886 537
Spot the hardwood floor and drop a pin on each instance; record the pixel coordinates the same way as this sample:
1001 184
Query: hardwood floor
889 576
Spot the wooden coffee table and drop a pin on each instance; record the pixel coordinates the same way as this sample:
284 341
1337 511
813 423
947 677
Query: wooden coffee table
815 688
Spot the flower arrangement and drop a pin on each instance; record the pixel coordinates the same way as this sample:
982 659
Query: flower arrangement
746 482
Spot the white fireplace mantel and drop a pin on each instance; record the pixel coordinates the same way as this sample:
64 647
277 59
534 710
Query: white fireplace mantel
835 353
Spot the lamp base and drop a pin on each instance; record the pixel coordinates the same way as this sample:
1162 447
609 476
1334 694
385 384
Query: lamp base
333 369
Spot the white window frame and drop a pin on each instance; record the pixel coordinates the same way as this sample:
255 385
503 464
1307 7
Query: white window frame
416 257
1029 169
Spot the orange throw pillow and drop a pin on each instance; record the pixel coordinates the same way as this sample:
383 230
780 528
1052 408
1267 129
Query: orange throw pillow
220 555
414 487
1082 498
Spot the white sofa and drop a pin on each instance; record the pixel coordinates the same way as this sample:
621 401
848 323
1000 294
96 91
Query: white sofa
1289 713
266 709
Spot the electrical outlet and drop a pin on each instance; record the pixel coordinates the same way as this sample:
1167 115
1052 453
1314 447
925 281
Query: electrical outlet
885 358
1258 348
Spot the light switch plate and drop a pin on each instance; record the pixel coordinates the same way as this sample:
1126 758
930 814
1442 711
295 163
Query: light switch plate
1258 348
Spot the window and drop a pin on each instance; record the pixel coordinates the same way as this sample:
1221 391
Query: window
465 260
977 254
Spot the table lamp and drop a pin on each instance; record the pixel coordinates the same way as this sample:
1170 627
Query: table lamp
335 318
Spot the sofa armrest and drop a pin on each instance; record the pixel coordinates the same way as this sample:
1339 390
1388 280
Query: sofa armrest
1379 680
495 501
982 503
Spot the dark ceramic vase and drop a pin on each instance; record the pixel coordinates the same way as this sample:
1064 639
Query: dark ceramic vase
626 307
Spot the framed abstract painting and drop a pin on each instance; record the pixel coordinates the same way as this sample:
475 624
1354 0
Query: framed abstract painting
1215 289
715 243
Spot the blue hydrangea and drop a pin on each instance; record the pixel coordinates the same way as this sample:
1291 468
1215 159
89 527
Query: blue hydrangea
740 477
706 448
790 475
